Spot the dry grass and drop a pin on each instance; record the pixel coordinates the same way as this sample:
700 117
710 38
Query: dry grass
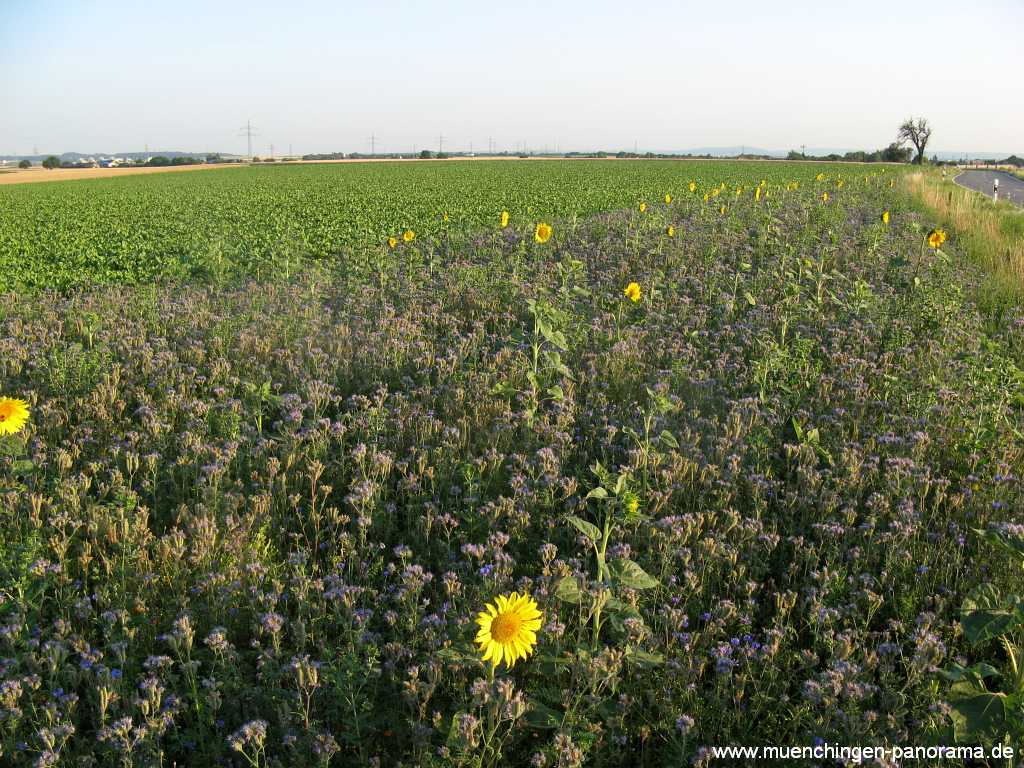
36 174
991 233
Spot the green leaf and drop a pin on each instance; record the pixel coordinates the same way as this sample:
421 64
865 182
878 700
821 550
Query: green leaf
668 439
982 714
631 575
540 716
644 659
987 614
589 530
598 493
750 298
974 675
556 393
568 590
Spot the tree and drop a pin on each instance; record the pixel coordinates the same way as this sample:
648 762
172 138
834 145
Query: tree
917 133
426 154
25 164
894 153
51 162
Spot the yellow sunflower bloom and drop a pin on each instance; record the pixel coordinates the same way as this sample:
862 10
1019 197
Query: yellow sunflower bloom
508 628
722 210
444 217
643 207
757 193
705 198
668 199
392 241
936 238
504 219
693 186
670 231
542 232
13 415
885 217
820 177
632 292
824 197
408 236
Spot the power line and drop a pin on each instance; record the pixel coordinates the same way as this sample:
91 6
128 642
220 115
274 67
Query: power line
248 131
373 144
440 144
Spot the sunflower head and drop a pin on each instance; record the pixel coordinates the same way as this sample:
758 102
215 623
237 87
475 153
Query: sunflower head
542 232
504 219
824 197
670 231
508 628
722 210
643 207
13 415
392 241
820 177
885 217
936 238
632 292
668 198
408 236
693 186
757 193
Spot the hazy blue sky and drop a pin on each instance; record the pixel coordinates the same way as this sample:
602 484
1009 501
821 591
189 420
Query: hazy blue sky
114 75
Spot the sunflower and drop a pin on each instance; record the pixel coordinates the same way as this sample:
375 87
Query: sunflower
633 292
13 415
444 217
706 198
668 199
839 184
885 217
820 177
757 193
722 210
508 628
693 186
392 241
670 231
643 207
542 232
504 219
936 238
408 236
824 197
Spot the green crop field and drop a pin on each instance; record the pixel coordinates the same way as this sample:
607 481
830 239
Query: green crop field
748 455
265 218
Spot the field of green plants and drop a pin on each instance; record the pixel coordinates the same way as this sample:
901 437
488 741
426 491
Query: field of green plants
264 220
753 451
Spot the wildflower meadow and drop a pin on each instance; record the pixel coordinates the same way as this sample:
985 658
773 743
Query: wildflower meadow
551 464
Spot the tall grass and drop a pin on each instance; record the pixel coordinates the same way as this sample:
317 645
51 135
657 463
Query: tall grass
990 233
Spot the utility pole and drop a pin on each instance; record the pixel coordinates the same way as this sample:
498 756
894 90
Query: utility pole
373 144
490 146
440 144
248 131
803 150
290 150
271 151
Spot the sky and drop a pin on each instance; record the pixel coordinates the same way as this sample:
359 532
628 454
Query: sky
321 76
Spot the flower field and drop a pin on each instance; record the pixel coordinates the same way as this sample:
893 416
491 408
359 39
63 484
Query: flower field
704 462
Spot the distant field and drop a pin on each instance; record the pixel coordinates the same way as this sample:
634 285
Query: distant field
38 174
251 219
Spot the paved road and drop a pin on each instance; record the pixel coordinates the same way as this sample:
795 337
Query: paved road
1010 187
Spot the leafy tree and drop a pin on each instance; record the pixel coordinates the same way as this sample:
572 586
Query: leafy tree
426 154
51 162
917 133
25 164
159 161
894 153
